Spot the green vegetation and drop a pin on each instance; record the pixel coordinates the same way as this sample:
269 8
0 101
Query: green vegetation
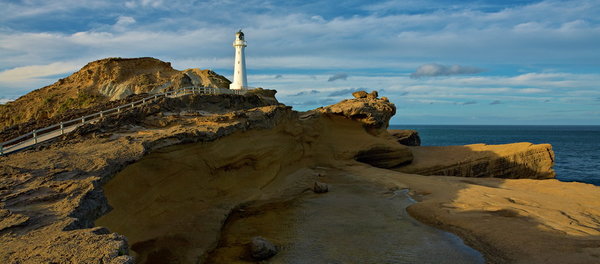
82 100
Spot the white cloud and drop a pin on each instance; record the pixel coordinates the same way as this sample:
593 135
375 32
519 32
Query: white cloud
433 69
123 22
152 3
20 74
35 8
532 91
5 100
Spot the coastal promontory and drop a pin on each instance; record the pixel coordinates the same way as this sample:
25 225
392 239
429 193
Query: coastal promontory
240 178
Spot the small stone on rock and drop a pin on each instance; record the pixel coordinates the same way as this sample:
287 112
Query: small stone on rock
261 248
373 95
360 94
320 187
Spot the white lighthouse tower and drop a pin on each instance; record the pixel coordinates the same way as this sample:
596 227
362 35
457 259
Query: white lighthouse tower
239 70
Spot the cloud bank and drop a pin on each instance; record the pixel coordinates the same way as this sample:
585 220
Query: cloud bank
339 76
433 69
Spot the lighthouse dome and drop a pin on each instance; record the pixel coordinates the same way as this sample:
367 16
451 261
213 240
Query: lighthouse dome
240 35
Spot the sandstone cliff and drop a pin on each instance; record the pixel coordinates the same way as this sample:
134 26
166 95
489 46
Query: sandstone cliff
54 191
101 81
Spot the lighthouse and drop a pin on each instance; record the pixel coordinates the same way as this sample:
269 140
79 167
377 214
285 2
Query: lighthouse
239 69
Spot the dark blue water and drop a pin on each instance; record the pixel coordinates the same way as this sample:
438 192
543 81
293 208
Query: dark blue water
577 148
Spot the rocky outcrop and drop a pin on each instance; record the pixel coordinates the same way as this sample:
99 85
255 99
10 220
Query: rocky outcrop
54 190
407 137
101 81
360 94
51 195
386 156
264 94
374 112
164 178
518 160
206 78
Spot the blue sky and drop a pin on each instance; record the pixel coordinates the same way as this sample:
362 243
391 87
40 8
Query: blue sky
440 62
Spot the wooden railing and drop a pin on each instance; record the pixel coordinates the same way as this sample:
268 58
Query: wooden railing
39 135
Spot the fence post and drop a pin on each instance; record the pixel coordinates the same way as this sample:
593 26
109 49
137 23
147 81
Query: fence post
101 114
132 105
35 141
83 120
62 128
118 109
143 100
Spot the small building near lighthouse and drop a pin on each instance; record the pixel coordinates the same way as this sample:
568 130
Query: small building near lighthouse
240 80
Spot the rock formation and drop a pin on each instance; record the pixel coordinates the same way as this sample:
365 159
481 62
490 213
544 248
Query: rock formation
407 137
375 113
519 160
63 177
386 156
101 81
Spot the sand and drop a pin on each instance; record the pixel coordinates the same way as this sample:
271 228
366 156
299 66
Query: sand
508 220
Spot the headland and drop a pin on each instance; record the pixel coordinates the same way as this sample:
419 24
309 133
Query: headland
198 178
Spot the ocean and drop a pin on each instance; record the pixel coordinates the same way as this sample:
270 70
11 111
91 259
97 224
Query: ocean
577 148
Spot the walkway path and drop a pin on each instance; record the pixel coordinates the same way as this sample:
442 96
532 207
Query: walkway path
50 132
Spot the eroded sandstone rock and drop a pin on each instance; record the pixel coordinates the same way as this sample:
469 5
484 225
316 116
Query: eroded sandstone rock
387 156
518 160
373 112
359 94
407 137
56 187
373 95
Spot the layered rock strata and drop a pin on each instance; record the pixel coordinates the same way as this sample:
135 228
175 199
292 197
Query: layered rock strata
368 109
54 191
518 160
407 137
51 195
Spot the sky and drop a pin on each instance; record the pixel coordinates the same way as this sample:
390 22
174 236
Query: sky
481 62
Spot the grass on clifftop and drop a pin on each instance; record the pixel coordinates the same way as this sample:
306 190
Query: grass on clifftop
83 100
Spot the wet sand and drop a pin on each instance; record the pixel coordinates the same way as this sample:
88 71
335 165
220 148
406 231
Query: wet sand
355 222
